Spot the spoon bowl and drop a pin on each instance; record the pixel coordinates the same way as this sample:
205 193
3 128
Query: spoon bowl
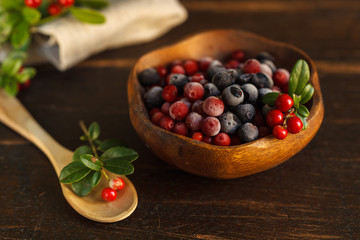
14 115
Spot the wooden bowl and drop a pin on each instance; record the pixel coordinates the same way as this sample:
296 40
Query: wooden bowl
216 161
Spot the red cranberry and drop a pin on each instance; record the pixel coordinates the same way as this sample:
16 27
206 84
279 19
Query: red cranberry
161 71
191 67
25 85
252 66
169 93
274 117
186 101
232 64
32 3
204 63
197 136
210 126
197 77
193 91
175 63
178 110
281 77
193 121
279 132
294 125
178 69
166 123
153 111
66 3
165 108
155 119
238 55
213 106
181 128
207 139
222 139
108 194
54 9
117 183
284 102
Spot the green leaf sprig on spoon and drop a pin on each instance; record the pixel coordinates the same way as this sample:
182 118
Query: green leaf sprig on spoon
18 17
91 161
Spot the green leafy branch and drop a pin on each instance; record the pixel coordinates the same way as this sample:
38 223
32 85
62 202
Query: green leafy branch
16 23
90 161
300 90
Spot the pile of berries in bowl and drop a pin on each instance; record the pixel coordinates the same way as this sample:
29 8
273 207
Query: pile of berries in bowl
220 103
203 105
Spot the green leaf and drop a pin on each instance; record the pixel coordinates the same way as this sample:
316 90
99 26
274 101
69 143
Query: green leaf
84 186
270 98
307 93
96 178
88 161
124 153
11 88
31 15
296 99
97 4
109 143
302 111
20 35
10 4
25 74
119 166
73 172
299 76
11 66
303 119
85 149
87 15
94 130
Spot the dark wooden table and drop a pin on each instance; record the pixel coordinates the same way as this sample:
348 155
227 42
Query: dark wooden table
314 195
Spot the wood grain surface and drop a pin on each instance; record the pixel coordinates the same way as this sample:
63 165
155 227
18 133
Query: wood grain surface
314 195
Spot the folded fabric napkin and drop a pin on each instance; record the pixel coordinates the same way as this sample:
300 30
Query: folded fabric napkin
66 41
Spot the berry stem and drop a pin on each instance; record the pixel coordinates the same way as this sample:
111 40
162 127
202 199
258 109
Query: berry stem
92 145
105 174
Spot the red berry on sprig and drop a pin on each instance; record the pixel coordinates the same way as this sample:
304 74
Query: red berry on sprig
284 102
108 194
274 117
54 9
279 132
117 183
66 3
32 3
294 125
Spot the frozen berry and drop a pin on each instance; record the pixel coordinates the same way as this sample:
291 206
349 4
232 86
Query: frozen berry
204 64
232 64
166 123
153 111
244 78
170 93
294 125
210 126
222 80
222 139
54 9
203 82
197 136
191 67
284 102
274 117
276 89
248 132
252 66
207 139
155 119
214 69
238 55
264 91
281 77
153 97
193 121
211 90
266 109
270 64
193 91
245 112
233 74
279 132
178 110
264 56
149 77
66 3
161 71
32 3
117 183
198 77
186 101
262 80
250 93
232 95
229 123
264 68
197 107
181 128
179 80
213 106
108 194
165 108
178 69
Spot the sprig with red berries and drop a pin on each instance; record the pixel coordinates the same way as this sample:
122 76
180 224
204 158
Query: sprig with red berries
290 112
18 17
91 161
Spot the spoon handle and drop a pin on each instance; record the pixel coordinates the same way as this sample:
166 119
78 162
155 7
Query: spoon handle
14 115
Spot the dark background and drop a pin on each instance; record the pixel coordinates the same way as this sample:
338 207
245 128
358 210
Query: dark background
314 195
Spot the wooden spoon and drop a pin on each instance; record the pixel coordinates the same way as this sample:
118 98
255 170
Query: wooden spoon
15 116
